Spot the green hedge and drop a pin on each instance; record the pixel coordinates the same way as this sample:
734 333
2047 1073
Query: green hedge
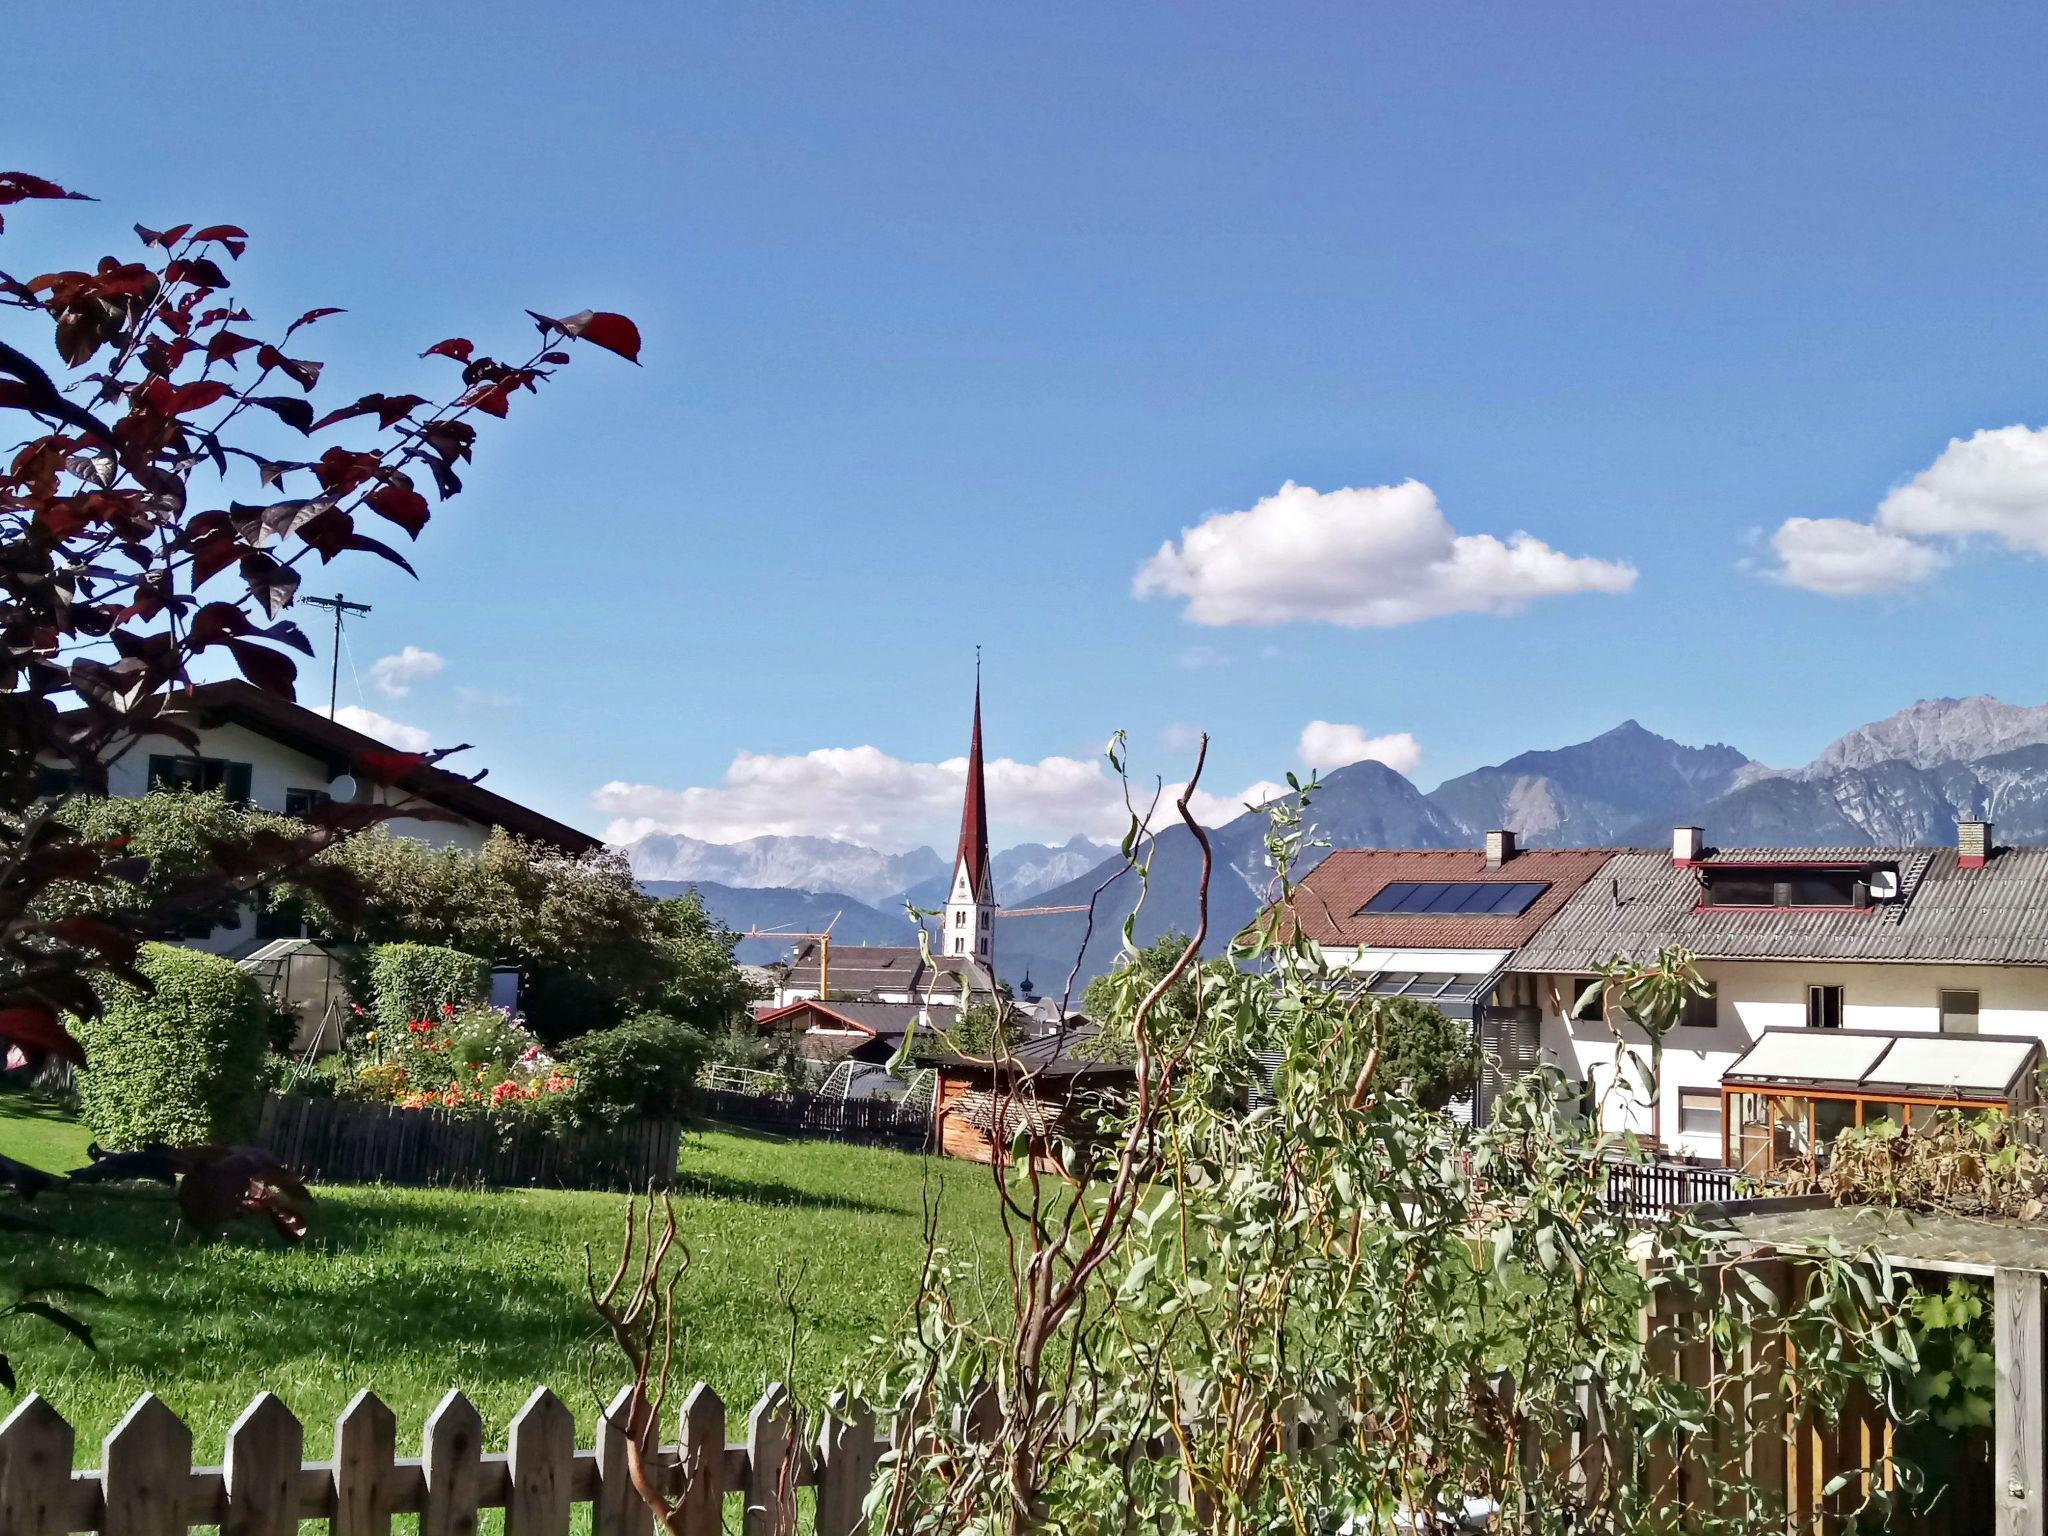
181 1065
412 981
646 1067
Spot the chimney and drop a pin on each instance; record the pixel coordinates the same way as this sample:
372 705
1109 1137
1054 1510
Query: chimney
1500 847
1687 846
1973 844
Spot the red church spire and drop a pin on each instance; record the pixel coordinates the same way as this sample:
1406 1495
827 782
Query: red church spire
974 809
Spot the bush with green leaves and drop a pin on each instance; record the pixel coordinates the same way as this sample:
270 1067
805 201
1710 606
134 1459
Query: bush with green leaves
645 1068
417 981
1422 1047
181 1064
1431 1305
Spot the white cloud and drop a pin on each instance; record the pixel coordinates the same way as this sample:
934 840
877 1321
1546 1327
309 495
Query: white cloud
1325 744
393 733
1996 482
1365 557
864 795
394 676
1993 483
1843 558
484 698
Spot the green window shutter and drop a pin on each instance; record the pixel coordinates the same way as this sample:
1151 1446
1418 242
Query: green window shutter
236 782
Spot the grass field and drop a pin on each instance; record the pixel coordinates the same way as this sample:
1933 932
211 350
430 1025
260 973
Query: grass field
410 1292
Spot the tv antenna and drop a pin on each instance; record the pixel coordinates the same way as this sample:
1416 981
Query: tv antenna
340 606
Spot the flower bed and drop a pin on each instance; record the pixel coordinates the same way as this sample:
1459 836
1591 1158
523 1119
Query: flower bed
469 1059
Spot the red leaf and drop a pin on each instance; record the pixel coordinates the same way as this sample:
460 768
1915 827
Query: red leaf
304 374
19 186
196 396
601 328
402 504
310 316
456 347
35 1028
272 671
233 237
226 346
388 767
291 411
491 399
196 270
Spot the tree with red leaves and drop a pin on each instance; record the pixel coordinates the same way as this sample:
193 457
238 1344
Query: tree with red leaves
175 483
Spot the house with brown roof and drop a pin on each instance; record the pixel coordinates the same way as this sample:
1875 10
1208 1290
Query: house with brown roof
1441 926
267 752
1822 942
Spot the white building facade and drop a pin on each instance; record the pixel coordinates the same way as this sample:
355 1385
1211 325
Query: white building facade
273 755
1914 940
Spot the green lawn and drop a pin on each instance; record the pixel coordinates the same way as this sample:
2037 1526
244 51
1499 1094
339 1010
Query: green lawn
410 1292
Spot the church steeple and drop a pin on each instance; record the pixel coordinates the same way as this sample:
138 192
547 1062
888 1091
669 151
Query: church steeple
971 903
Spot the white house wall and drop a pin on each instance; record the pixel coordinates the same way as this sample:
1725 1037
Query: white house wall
273 769
1753 996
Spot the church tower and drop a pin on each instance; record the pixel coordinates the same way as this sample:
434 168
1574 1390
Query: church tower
971 903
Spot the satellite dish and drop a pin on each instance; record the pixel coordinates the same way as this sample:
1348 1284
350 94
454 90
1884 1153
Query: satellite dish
342 787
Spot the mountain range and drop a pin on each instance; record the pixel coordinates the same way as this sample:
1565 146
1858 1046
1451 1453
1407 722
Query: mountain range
1905 779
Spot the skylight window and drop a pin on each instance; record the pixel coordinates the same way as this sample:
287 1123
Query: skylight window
1455 898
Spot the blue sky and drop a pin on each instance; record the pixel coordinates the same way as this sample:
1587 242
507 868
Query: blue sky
954 315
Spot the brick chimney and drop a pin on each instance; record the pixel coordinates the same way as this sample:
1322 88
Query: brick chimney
1500 847
1688 845
1973 844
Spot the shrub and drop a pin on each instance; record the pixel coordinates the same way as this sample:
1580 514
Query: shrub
645 1067
182 1065
1423 1047
416 981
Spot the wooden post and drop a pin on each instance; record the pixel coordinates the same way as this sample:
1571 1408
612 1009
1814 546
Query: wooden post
701 1468
618 1509
850 1454
543 1465
451 1455
147 1472
771 1465
266 1448
365 1465
35 1469
2017 1465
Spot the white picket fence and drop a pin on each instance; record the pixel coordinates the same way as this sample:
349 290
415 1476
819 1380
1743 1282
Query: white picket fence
149 1485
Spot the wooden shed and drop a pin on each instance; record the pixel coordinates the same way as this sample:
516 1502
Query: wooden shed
1043 1088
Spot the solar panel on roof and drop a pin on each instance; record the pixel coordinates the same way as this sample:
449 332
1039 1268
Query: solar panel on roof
1456 898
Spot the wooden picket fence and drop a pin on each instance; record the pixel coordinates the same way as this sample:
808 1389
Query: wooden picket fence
148 1484
1807 1476
348 1141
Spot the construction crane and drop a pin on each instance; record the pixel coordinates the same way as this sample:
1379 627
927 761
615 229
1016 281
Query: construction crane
824 940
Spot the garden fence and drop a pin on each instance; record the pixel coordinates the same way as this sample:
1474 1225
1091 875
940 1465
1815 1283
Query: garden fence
889 1122
346 1141
1652 1191
1809 1475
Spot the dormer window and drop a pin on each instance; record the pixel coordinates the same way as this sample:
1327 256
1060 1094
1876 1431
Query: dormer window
1789 886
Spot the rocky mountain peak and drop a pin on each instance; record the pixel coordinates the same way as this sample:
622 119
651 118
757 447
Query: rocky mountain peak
1935 731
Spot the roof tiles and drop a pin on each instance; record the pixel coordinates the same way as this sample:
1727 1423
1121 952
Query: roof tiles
1328 900
1641 901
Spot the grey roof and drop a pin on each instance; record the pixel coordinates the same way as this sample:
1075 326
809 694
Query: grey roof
1933 1240
892 1019
1641 900
858 968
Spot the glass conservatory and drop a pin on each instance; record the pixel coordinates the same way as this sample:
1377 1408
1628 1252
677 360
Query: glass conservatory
1795 1090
